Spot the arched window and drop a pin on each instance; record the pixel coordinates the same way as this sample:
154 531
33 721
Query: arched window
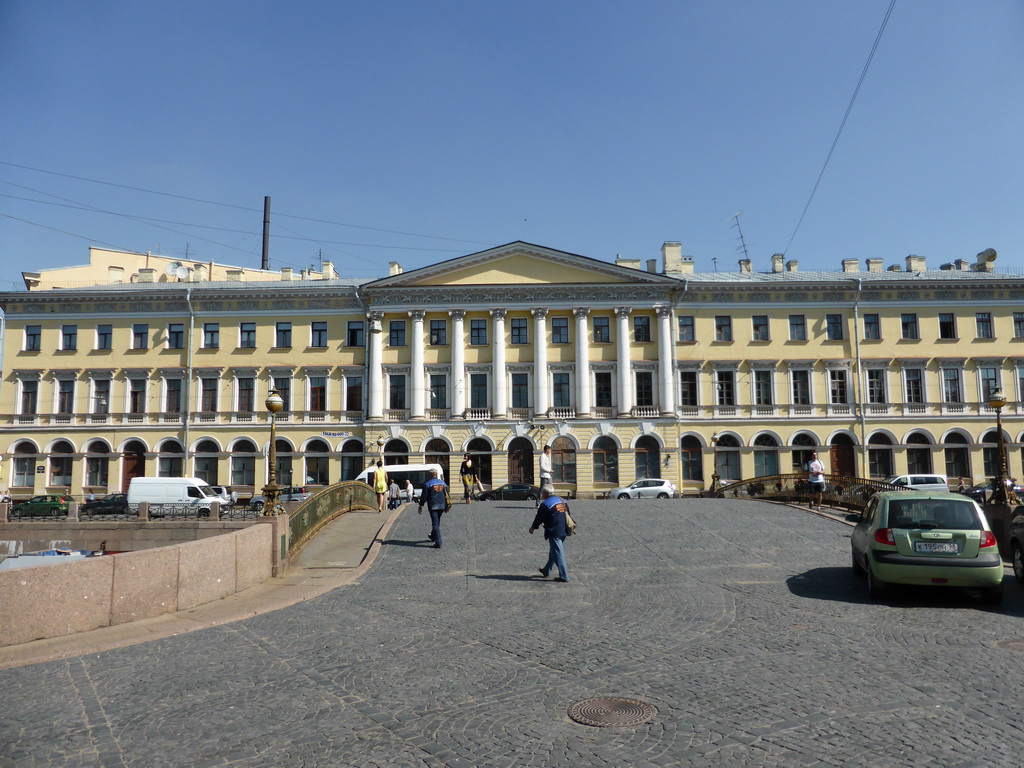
647 458
207 457
766 456
60 464
352 459
243 463
803 447
396 452
25 457
481 451
171 460
958 459
606 461
438 451
97 465
880 462
563 460
727 458
692 458
317 462
919 454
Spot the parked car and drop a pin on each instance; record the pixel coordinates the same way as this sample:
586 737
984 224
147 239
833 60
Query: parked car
982 492
926 538
111 504
222 492
42 505
650 488
1016 537
511 492
288 493
920 482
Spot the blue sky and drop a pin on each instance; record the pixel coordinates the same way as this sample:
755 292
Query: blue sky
420 130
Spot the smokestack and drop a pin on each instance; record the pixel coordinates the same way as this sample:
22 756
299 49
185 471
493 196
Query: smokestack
266 232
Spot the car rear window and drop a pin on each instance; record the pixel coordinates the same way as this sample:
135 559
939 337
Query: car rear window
933 513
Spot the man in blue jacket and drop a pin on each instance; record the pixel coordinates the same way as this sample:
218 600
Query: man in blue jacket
551 514
435 496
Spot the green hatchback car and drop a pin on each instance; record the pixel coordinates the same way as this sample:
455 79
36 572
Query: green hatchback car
42 505
926 538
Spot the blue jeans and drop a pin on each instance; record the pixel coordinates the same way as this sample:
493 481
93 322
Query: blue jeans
556 557
435 525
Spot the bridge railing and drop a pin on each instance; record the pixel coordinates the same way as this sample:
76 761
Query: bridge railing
840 491
317 511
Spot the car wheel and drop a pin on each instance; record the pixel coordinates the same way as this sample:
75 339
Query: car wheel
55 511
876 588
993 595
1018 562
257 506
203 513
530 497
662 495
623 495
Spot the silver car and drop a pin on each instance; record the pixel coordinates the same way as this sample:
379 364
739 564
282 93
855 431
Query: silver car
650 488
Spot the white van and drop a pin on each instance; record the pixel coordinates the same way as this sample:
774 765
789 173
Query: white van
171 494
920 482
418 473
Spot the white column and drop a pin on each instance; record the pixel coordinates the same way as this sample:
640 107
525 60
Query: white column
666 361
624 363
419 388
375 367
582 362
458 363
540 362
499 377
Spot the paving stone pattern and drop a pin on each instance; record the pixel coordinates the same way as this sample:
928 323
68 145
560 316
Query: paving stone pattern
740 621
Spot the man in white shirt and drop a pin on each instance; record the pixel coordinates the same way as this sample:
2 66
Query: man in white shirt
545 466
816 478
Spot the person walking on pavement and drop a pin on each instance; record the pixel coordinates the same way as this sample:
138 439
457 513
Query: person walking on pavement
470 477
409 491
394 494
545 466
380 485
551 514
435 495
816 478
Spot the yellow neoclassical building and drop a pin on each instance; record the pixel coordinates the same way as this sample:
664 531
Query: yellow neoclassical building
136 364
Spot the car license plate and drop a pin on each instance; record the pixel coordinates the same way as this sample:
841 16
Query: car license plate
936 547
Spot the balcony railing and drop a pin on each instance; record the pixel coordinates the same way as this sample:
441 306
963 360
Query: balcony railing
476 414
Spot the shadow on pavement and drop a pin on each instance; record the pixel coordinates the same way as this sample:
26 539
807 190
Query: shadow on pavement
424 542
510 577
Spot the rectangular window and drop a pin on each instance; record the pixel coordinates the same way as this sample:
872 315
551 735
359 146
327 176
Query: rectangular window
439 333
723 328
560 390
602 330
760 328
283 386
478 332
834 327
838 392
172 396
645 388
438 391
396 333
801 387
247 335
951 386
69 337
478 390
914 379
29 397
797 328
283 336
396 399
33 338
559 330
876 387
140 336
641 329
725 388
354 333
101 396
247 394
66 396
176 336
908 326
520 390
137 396
519 332
763 387
989 378
687 331
688 388
243 470
1018 325
211 335
603 389
318 393
104 337
208 395
872 327
947 325
983 320
318 334
354 394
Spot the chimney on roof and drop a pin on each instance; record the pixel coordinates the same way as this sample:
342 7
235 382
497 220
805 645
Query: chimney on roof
792 265
327 267
686 265
777 260
287 273
394 268
745 266
986 259
895 268
235 275
962 264
874 265
652 266
851 265
147 275
915 263
627 263
672 258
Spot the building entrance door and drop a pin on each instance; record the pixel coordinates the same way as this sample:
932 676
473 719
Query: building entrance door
133 464
843 459
520 461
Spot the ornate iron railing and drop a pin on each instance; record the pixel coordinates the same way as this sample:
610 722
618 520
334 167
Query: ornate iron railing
332 502
840 490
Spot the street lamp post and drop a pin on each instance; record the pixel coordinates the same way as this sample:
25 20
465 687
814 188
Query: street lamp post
1003 491
716 481
272 491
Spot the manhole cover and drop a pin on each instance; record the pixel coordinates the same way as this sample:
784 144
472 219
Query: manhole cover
1010 645
611 711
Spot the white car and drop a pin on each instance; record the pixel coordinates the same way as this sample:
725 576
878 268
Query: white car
651 488
223 493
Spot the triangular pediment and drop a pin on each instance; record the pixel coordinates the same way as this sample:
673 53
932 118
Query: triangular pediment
520 264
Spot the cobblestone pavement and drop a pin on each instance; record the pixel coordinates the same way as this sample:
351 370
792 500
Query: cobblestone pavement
739 621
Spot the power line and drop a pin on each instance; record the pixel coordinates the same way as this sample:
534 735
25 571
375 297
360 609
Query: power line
849 108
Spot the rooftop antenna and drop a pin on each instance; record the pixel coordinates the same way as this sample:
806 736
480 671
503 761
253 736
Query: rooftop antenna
743 243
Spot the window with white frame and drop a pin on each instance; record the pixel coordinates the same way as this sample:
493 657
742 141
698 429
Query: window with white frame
136 396
318 393
65 396
838 388
725 387
688 391
759 328
354 394
988 381
101 396
396 391
913 385
33 338
104 336
687 331
438 391
173 395
877 394
559 330
478 390
800 384
29 401
246 394
208 388
520 390
952 391
478 332
764 386
644 385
